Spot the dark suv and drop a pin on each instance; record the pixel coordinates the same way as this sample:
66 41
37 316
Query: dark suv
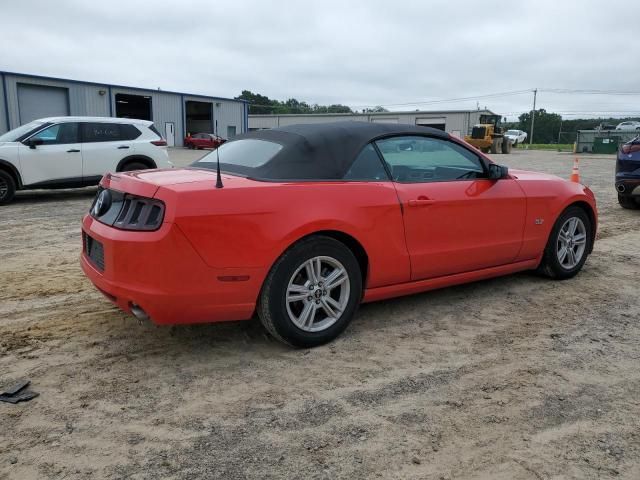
628 174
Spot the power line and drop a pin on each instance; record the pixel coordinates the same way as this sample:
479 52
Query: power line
450 100
560 91
586 92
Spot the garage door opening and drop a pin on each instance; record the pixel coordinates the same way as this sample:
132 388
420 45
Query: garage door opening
439 123
198 117
133 106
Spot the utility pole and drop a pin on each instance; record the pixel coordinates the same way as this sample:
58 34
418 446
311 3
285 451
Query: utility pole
560 132
533 115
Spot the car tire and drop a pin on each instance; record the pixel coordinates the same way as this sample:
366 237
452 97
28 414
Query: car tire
131 166
7 188
574 239
515 143
295 307
628 202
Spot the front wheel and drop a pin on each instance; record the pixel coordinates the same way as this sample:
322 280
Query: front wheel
311 293
7 188
568 246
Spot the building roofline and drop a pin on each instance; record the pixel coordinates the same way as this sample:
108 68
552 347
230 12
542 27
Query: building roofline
112 85
404 112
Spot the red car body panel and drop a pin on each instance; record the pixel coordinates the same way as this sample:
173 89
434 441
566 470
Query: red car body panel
215 248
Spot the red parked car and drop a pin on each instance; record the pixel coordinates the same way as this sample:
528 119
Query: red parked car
203 140
311 220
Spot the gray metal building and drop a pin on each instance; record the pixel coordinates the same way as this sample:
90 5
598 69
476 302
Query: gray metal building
24 98
455 122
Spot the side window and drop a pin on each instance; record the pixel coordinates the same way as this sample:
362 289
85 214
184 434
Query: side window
108 132
414 159
60 134
367 166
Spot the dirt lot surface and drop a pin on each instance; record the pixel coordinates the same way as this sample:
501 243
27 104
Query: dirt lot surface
513 378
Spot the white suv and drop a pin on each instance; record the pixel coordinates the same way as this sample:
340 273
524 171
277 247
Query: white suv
67 152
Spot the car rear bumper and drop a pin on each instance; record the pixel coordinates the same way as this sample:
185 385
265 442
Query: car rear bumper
160 273
627 185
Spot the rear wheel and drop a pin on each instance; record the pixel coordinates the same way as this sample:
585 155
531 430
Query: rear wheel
495 145
568 245
131 166
628 202
311 293
7 188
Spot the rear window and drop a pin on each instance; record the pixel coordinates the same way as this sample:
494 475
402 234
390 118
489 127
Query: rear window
247 153
155 130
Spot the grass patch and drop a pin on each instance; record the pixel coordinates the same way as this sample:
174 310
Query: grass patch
558 147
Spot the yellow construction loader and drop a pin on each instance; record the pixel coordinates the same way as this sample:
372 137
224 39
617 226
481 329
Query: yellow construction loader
488 135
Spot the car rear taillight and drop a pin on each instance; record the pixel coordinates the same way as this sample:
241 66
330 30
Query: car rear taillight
159 143
140 213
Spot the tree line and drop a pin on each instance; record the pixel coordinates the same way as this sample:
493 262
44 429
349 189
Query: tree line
263 105
549 127
552 128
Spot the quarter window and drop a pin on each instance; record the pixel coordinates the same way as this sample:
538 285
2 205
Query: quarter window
415 159
59 134
367 166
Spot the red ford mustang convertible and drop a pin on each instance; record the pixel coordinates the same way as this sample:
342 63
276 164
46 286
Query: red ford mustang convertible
307 221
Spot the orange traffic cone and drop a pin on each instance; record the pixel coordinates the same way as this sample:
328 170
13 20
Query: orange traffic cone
575 173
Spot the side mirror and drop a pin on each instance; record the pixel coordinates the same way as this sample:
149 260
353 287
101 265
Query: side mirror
496 172
34 142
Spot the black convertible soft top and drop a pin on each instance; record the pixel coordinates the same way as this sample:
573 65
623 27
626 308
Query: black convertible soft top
322 151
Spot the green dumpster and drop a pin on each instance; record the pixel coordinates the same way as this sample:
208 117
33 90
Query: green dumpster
605 145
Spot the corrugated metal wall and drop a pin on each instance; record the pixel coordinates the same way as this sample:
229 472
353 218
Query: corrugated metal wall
84 99
87 99
459 122
165 107
3 107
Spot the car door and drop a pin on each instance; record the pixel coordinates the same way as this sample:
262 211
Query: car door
456 220
52 156
103 146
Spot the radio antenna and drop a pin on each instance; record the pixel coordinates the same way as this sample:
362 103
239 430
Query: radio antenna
219 177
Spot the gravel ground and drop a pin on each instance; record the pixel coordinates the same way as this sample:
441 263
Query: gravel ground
513 378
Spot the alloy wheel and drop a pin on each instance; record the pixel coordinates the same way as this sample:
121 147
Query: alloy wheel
571 243
317 294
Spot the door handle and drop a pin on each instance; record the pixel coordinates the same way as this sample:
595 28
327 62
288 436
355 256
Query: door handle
421 201
121 147
73 150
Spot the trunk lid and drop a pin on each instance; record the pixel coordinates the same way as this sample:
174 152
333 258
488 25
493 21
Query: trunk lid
146 183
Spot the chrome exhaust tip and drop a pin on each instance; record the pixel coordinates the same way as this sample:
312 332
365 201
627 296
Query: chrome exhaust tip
139 313
620 187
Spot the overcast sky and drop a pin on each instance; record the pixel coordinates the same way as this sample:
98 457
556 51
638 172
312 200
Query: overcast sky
359 53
